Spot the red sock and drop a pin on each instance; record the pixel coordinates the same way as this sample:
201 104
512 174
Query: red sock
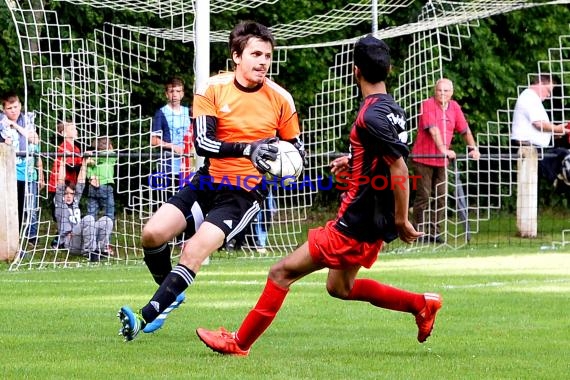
261 316
386 297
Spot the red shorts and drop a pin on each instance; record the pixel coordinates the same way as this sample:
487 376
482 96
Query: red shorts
331 248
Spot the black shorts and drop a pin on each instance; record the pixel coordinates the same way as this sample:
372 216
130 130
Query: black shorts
231 210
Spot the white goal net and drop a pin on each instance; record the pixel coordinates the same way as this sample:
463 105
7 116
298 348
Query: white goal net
89 81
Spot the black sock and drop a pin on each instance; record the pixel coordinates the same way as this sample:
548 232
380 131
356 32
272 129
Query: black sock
158 262
175 283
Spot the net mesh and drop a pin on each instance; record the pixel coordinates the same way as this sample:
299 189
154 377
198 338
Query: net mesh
89 81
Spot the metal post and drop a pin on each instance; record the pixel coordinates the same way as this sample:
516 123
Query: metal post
202 53
9 234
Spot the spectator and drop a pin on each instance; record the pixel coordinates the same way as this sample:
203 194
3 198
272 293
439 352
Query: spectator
68 152
440 117
101 175
36 183
18 130
262 223
532 126
532 129
82 236
187 166
170 125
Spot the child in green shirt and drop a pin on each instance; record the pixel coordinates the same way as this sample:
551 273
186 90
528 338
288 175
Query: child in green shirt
101 175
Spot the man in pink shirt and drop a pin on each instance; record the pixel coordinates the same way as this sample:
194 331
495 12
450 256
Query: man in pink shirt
440 118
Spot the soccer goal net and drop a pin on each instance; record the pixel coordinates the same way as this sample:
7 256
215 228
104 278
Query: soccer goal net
88 81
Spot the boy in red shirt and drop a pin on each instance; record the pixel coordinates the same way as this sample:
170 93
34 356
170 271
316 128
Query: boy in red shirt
69 151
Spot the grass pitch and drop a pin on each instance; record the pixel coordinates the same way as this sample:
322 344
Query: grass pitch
504 317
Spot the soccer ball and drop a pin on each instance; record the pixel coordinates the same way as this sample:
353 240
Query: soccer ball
288 165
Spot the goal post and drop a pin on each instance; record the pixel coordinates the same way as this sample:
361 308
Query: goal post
527 192
9 231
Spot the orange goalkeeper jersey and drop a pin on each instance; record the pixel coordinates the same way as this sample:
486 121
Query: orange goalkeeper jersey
242 115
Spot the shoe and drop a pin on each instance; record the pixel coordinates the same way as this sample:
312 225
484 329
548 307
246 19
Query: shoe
103 255
221 341
132 323
32 242
425 319
159 321
94 257
262 251
231 245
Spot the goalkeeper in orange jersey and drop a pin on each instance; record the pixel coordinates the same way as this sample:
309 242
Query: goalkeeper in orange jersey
236 118
367 217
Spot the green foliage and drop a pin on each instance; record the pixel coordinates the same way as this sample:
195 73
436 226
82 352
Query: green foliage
491 64
498 57
493 61
10 60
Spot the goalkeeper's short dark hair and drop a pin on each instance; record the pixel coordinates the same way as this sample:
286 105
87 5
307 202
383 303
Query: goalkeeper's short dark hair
246 30
372 57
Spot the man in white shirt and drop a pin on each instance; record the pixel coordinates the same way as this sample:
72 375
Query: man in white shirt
532 129
531 124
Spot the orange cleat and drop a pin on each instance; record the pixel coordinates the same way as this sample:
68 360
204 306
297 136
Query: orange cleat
426 317
221 341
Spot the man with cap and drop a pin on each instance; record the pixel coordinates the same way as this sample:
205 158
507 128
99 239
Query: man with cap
367 217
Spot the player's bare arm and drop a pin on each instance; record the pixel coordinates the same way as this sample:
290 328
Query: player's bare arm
406 231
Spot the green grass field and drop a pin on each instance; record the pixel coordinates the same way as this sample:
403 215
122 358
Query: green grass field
505 316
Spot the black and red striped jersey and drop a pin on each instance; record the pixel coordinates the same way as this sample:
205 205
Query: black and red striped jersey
367 207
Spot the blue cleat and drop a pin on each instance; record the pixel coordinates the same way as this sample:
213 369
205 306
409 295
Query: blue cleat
159 321
132 323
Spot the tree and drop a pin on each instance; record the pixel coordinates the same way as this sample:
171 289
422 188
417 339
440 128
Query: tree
486 71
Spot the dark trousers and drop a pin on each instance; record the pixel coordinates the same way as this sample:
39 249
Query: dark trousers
432 183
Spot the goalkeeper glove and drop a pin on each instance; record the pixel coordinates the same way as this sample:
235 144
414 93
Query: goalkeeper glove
298 144
260 151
